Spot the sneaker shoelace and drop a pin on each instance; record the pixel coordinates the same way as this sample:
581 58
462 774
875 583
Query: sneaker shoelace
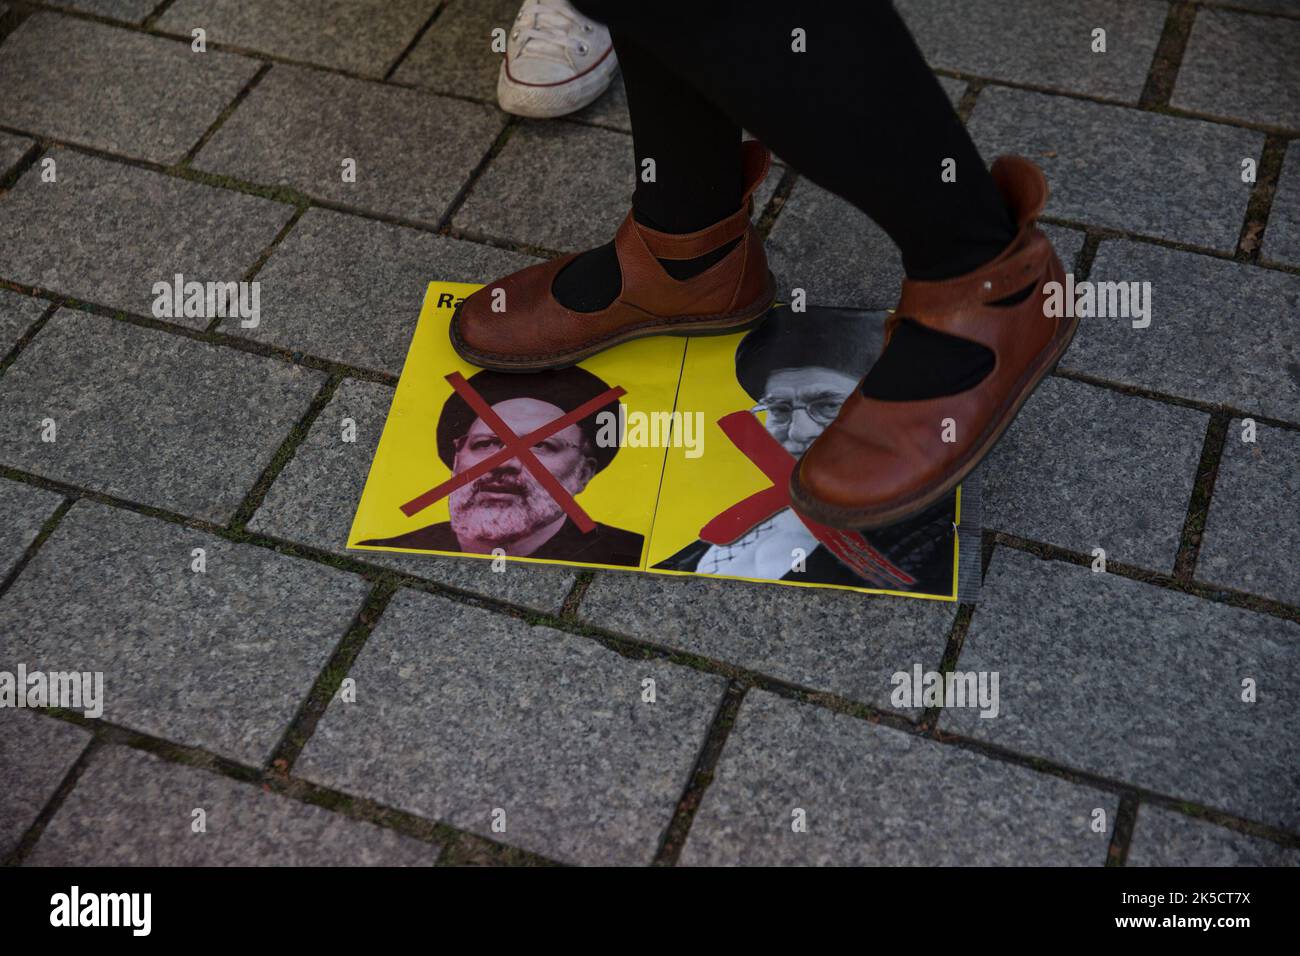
550 35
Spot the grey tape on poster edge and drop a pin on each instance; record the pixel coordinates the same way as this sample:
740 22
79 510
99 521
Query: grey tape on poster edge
969 538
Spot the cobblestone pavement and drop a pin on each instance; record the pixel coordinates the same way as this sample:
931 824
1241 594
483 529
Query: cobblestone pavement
1123 736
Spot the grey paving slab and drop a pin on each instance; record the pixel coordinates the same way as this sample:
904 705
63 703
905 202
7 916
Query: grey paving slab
455 55
1241 66
107 233
314 498
12 149
414 151
1139 684
36 753
114 89
954 88
824 245
219 659
362 36
1282 234
132 11
17 313
1078 467
839 641
1124 168
1048 44
24 509
1068 244
131 808
610 109
869 797
349 289
151 417
1252 534
1221 331
560 186
461 712
1164 838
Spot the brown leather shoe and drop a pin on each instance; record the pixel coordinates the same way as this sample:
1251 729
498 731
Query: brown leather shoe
882 461
534 331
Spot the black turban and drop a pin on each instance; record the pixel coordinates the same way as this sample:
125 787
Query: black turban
565 388
847 340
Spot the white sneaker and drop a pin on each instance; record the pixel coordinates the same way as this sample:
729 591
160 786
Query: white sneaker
557 61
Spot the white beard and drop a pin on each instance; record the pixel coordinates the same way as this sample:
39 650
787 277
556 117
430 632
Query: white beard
499 524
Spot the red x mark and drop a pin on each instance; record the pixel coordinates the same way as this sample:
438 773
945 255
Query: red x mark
516 447
754 442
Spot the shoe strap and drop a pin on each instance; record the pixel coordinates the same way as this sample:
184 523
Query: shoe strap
1022 264
755 161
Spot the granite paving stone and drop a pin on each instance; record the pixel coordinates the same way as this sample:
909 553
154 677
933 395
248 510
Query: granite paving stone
1123 168
148 416
869 797
954 88
1241 66
132 11
117 90
17 313
455 55
361 36
1085 467
461 712
1252 534
314 498
349 289
1139 684
610 109
1282 234
414 151
107 233
1044 42
131 808
824 245
12 149
24 509
564 187
219 659
559 186
1221 332
36 753
1164 838
839 641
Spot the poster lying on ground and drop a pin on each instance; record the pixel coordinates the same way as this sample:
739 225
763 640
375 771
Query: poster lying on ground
667 455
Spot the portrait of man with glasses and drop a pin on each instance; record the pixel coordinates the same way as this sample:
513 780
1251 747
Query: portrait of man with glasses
799 367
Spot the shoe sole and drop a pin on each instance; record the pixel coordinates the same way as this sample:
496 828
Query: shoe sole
699 325
872 519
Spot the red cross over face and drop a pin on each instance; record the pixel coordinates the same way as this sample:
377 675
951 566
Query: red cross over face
754 442
491 444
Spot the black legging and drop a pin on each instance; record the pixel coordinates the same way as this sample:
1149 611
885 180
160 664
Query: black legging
859 113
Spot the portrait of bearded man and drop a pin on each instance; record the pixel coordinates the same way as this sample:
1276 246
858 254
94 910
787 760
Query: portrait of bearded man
507 510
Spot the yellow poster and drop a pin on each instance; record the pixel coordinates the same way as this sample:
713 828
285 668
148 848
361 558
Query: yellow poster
668 455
